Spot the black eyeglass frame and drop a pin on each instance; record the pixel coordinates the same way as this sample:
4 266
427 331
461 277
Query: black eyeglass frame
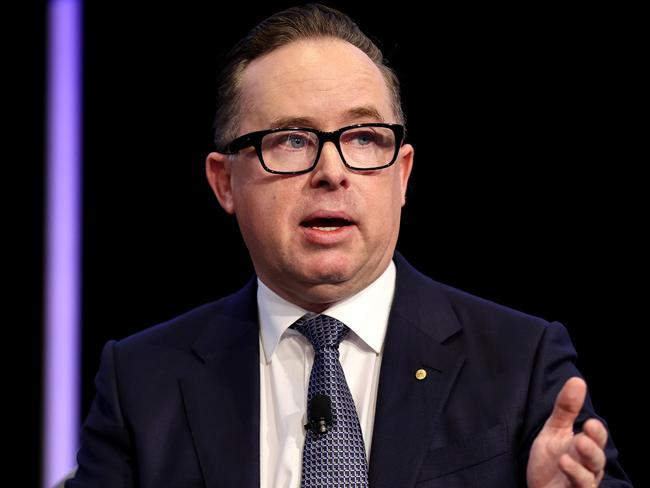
255 139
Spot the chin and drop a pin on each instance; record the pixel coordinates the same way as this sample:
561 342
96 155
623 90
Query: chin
329 269
327 276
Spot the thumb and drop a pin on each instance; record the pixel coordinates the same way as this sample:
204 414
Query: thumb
568 404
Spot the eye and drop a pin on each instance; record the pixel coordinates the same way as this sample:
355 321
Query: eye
289 141
295 141
359 137
364 138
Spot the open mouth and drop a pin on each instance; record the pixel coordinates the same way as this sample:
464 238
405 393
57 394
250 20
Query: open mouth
326 224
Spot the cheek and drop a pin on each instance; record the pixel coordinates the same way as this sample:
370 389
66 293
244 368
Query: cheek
382 206
250 194
387 199
261 214
393 208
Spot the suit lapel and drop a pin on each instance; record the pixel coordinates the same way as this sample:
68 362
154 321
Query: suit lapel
221 395
408 407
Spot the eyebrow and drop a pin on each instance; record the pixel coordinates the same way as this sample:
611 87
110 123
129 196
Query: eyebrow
362 112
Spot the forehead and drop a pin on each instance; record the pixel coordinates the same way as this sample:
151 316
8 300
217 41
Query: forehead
325 80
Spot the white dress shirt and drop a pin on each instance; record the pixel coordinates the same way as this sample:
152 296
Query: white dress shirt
286 358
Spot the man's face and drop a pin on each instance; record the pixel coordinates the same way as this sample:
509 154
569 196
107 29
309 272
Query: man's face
318 237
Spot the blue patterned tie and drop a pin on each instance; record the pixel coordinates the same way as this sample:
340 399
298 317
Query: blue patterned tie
336 458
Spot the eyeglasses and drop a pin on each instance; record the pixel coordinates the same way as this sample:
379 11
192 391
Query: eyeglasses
295 150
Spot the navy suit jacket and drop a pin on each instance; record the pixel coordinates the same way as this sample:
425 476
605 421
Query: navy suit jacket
177 405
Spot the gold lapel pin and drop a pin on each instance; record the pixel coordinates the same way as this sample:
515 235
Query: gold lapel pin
420 374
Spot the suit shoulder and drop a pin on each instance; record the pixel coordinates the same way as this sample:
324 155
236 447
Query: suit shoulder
490 329
471 312
183 330
469 306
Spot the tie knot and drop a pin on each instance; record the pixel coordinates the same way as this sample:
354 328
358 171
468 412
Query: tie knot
322 331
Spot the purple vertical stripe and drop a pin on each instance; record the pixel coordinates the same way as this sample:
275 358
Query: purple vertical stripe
63 214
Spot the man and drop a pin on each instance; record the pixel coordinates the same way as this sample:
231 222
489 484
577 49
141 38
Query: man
424 385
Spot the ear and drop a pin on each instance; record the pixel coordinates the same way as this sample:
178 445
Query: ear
405 165
218 171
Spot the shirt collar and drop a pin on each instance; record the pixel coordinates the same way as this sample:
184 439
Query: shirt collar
365 313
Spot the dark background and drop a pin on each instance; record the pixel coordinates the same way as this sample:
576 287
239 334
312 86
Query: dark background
526 188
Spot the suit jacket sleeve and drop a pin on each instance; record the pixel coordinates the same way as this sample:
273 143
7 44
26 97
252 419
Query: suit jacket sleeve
554 364
105 458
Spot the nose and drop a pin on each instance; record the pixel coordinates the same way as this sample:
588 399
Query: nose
330 171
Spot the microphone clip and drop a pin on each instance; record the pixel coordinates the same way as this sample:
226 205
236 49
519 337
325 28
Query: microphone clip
320 414
318 426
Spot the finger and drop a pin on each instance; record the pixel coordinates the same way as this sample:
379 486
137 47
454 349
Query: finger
588 453
595 429
578 475
568 404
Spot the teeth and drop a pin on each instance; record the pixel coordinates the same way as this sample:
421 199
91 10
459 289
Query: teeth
328 229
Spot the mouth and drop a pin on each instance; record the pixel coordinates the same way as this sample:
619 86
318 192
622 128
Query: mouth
326 224
327 228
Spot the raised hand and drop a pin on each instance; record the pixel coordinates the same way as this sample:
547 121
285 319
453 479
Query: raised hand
558 458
